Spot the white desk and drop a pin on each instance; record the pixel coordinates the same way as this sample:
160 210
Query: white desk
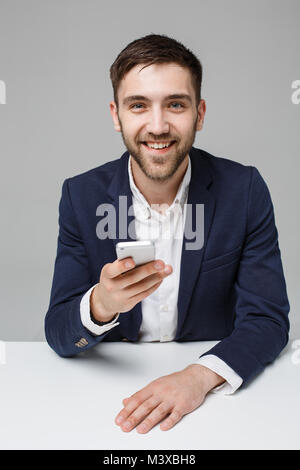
47 402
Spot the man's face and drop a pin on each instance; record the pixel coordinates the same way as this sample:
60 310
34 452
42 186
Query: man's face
157 105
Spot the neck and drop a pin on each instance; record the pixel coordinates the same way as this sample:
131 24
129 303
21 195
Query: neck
158 192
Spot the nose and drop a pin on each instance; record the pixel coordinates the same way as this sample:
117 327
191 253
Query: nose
157 123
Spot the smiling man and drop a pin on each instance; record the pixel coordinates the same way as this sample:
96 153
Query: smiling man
232 289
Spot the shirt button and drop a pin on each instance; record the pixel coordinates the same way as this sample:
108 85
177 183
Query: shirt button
164 308
166 338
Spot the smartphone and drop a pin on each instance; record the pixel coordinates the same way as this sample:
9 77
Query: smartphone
140 251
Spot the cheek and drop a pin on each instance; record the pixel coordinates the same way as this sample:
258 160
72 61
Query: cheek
134 129
185 131
184 123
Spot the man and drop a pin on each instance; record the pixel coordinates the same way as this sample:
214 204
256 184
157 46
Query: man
230 288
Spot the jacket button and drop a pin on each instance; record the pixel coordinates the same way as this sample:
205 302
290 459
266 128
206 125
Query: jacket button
81 343
124 339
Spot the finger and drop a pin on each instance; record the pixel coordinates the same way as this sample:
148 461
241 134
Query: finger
142 295
141 272
140 413
118 267
171 420
155 417
143 285
133 402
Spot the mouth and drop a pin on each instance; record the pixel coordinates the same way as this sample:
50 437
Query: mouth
158 148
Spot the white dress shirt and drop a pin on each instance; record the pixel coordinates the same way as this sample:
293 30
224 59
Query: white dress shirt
159 309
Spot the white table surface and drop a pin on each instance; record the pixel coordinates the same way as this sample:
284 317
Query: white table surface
48 402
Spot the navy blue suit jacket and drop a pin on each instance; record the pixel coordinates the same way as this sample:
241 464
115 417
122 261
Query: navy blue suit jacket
232 289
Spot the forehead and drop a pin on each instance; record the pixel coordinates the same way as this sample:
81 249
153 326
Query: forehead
156 80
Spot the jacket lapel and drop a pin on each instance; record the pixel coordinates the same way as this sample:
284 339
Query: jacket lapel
191 259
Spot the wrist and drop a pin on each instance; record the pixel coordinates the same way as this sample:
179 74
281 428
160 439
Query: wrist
97 311
100 323
207 377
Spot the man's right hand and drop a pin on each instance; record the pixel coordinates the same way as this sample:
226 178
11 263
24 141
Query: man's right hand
121 287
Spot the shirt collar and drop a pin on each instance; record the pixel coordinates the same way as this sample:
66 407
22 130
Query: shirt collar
181 193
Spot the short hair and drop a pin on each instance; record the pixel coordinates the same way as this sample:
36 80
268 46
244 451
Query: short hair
155 49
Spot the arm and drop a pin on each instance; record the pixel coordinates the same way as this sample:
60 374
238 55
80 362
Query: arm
64 329
77 305
261 309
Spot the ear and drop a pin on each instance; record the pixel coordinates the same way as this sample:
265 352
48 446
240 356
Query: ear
201 114
114 113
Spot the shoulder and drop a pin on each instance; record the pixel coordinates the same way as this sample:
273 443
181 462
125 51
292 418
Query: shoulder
102 173
227 173
226 166
91 184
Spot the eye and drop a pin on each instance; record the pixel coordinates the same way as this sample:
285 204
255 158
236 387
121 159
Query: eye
180 105
136 104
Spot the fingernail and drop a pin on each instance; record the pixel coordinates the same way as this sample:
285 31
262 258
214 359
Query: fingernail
119 420
167 269
142 427
128 264
158 266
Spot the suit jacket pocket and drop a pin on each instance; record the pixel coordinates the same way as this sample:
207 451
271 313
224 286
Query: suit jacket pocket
221 260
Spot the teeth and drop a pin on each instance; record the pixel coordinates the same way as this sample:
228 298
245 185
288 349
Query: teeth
158 146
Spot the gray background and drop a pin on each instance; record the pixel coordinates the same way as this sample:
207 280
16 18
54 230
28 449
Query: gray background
55 58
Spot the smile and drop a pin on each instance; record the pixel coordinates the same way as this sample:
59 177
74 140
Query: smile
158 147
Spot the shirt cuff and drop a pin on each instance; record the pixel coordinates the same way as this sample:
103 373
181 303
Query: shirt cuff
233 380
86 317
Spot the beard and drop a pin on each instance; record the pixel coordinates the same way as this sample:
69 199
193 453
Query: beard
160 167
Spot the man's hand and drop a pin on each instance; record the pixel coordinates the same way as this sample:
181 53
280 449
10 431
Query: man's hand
122 286
170 397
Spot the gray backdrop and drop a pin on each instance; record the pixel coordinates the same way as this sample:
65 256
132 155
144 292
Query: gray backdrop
55 58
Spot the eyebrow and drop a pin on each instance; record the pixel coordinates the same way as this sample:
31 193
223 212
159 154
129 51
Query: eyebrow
177 96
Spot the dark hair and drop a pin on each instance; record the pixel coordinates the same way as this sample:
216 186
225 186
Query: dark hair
155 49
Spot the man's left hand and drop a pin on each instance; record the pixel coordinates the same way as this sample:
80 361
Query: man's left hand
170 397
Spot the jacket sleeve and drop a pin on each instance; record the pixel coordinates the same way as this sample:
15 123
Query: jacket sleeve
261 309
64 330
